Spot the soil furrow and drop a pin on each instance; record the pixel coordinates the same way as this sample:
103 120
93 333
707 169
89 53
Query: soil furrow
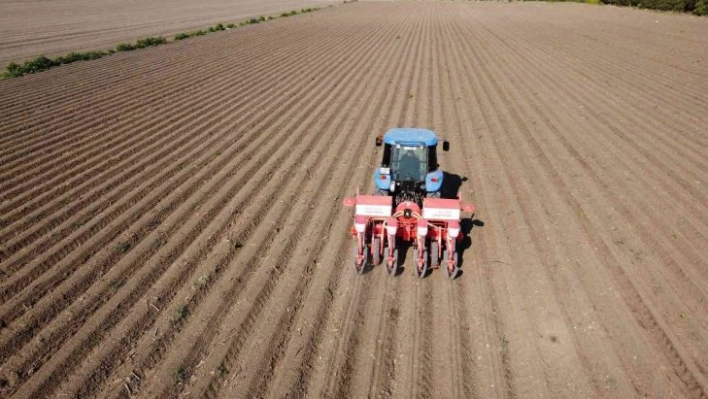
139 101
95 229
193 229
141 65
451 323
171 222
341 381
643 96
300 350
641 309
262 295
73 209
687 252
127 128
244 174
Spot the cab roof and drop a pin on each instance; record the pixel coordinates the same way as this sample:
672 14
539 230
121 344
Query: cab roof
408 135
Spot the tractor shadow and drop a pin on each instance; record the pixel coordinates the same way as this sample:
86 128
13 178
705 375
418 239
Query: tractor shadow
450 189
451 185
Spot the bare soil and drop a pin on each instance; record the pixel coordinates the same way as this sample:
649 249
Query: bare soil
29 28
171 219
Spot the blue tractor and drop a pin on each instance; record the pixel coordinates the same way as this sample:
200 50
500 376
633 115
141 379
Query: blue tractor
407 207
409 170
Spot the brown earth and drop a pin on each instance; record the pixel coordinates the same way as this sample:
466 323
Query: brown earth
171 220
29 28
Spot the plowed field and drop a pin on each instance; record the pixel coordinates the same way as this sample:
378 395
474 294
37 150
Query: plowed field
29 28
171 220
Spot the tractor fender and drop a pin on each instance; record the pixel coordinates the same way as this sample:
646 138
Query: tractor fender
382 178
433 181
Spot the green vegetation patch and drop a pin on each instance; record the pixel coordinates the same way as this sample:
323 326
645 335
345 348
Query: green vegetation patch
698 7
151 42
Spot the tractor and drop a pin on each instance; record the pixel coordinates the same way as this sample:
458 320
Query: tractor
407 208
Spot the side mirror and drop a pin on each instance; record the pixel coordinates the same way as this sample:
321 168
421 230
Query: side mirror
379 141
446 145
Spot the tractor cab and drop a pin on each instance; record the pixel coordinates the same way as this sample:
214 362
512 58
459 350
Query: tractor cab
409 169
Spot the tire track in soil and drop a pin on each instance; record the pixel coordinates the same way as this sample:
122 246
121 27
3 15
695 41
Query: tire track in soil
443 371
418 113
411 100
422 358
379 366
